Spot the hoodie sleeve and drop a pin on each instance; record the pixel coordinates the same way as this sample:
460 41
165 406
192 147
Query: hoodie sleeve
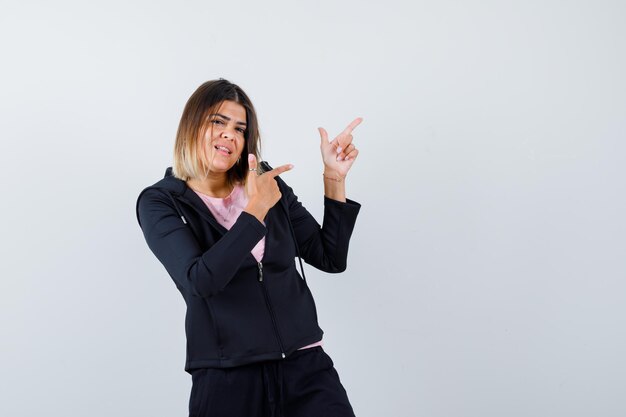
174 244
325 247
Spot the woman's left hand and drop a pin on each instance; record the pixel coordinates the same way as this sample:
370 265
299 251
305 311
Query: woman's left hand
339 154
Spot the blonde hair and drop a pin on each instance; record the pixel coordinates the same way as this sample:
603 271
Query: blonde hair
189 158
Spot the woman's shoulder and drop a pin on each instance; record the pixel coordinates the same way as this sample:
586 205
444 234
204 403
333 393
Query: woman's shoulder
159 195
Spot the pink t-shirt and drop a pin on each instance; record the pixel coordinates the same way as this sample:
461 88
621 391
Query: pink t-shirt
226 211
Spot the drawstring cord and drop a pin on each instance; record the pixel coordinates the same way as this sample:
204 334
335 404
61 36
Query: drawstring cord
177 207
295 242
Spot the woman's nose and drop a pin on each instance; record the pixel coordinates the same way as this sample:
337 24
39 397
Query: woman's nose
227 134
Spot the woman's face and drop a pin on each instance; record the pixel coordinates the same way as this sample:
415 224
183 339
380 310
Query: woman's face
224 139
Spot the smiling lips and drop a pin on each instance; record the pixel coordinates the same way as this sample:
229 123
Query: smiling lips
223 149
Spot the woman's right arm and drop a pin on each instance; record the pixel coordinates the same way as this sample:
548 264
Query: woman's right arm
202 273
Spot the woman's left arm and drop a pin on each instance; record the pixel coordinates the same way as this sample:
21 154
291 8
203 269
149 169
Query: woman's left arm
326 247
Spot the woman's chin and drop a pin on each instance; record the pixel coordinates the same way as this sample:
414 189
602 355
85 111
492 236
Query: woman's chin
221 165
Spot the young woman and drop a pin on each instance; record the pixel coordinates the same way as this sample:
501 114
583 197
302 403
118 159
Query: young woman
227 230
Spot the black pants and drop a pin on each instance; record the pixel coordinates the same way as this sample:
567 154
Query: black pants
305 384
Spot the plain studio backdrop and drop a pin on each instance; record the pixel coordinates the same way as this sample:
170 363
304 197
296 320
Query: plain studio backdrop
486 274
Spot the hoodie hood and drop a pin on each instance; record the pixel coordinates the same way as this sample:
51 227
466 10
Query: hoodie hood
169 185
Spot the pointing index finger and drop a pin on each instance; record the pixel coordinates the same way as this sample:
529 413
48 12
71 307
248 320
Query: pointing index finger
279 170
352 125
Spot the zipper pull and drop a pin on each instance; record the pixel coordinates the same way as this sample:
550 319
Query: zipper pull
260 271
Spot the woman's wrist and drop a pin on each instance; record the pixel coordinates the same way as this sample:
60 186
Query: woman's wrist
256 209
333 175
334 185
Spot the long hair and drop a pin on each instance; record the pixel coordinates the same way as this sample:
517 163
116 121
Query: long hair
189 158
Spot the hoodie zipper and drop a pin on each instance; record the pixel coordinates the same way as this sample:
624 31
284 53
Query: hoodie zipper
268 302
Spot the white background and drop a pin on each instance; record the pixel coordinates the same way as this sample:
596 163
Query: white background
486 275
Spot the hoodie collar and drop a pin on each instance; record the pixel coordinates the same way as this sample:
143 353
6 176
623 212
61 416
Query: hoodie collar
179 192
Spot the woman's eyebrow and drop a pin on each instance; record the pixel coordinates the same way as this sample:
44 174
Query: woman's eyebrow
227 118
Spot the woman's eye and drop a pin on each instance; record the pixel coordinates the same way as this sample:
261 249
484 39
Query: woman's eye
241 130
217 122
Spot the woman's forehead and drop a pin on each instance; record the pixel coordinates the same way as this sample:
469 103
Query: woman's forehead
232 111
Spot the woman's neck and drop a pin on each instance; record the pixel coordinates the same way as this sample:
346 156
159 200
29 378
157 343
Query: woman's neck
215 185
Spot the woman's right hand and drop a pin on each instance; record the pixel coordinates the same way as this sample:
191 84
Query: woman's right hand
262 189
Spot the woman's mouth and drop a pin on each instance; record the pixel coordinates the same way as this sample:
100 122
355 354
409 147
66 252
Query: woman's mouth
223 150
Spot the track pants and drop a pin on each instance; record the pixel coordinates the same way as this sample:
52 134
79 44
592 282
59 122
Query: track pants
305 384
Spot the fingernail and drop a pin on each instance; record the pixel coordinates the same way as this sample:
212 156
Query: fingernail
339 158
291 166
339 149
250 157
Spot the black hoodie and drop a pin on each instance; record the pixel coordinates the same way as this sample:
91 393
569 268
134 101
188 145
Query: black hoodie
241 311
